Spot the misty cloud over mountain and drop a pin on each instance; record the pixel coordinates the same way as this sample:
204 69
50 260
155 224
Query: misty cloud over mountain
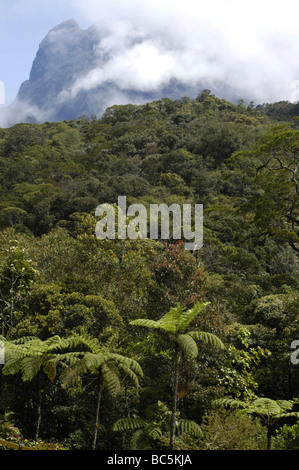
82 72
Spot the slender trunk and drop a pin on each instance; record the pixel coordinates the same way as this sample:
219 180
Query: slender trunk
39 407
269 435
175 395
96 424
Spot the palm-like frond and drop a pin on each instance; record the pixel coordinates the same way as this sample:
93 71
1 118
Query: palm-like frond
207 338
171 320
153 431
128 424
176 321
127 362
187 345
30 366
189 427
111 380
146 323
187 316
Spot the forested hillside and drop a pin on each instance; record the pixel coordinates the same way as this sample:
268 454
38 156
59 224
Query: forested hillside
78 372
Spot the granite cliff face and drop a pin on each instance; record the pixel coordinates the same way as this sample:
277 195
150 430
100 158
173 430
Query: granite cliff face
75 73
66 53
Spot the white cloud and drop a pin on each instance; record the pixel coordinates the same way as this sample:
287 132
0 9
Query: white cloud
249 45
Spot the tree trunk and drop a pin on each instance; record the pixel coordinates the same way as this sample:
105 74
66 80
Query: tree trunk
175 395
39 407
96 424
269 435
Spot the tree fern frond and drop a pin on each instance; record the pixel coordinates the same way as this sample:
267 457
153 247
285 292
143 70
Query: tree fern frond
30 366
128 362
207 338
12 365
230 402
93 361
111 380
187 316
171 320
145 322
137 440
188 345
128 424
189 427
267 406
69 358
153 431
130 373
76 340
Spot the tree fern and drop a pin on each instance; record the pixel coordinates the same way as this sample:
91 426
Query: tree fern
174 323
268 410
106 365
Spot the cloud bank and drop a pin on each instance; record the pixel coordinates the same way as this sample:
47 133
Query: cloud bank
250 46
244 49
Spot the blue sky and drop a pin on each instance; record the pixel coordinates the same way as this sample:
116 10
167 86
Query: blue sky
23 25
255 43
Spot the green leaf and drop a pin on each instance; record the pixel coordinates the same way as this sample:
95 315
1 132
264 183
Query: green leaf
126 424
189 427
187 316
207 338
188 345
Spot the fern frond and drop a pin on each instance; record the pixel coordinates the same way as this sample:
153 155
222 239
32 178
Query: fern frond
130 374
128 362
153 431
137 440
111 380
30 366
128 424
68 357
171 320
187 316
145 322
12 365
266 406
94 361
189 427
207 338
230 402
188 345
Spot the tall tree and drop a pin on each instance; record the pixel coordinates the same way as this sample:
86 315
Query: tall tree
268 410
30 356
106 366
175 324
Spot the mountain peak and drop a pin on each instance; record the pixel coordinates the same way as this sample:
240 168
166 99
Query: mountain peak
66 25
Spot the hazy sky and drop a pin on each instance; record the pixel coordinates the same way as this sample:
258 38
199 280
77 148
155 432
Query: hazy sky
250 45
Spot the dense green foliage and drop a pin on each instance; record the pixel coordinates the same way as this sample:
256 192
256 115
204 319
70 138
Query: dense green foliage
58 282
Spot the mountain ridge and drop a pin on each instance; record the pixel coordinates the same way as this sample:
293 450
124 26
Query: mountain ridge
70 78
